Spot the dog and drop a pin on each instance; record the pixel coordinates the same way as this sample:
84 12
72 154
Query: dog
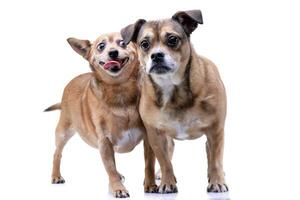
182 95
102 106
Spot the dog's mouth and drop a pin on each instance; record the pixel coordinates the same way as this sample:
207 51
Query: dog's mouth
114 66
159 69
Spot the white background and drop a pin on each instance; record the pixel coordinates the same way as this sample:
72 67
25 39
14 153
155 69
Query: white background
254 43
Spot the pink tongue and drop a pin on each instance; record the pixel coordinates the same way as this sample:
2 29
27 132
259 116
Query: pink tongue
112 63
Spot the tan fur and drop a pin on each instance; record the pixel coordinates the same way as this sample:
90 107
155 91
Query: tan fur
189 103
101 108
53 107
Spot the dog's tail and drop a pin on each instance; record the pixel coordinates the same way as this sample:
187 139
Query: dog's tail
53 107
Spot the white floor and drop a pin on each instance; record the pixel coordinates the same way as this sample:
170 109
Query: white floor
27 172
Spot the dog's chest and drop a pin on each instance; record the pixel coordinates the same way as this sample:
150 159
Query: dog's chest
184 128
127 140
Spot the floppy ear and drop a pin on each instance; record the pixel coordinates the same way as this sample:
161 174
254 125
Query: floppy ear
130 32
82 47
189 20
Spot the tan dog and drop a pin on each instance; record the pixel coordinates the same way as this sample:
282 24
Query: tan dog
102 107
182 97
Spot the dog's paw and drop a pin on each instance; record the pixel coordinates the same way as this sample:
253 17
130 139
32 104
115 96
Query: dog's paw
121 194
150 188
167 188
58 180
118 190
217 188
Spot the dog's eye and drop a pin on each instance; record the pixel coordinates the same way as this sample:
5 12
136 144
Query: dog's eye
172 41
122 44
145 45
101 46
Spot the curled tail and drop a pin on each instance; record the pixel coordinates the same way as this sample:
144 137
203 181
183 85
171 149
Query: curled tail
53 107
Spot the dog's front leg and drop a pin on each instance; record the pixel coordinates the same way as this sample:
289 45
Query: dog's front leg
214 149
149 182
171 146
108 158
159 145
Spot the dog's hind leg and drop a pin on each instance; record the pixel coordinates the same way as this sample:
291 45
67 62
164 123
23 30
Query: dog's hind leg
62 134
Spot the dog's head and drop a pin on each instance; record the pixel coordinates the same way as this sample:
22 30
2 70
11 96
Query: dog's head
108 56
164 46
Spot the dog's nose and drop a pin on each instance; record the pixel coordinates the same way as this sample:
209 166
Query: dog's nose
113 54
158 57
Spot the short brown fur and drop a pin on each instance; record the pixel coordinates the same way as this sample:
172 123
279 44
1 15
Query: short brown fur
185 103
103 109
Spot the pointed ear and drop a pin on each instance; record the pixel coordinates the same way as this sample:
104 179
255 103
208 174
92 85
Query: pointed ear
189 20
130 32
82 47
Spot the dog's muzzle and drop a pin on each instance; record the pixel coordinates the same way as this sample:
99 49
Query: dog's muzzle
158 64
159 68
114 66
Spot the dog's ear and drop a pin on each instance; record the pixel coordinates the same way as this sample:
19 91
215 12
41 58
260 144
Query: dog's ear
82 47
189 20
130 32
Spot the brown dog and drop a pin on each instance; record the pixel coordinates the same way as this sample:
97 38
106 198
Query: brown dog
102 107
182 94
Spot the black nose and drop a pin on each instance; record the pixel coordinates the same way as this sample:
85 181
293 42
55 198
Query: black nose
158 57
113 54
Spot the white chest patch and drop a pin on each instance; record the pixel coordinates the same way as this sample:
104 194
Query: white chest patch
131 136
167 86
181 130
